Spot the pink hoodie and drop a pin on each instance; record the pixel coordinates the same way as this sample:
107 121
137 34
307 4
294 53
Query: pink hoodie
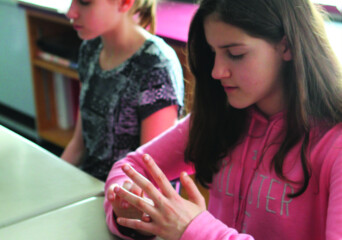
248 200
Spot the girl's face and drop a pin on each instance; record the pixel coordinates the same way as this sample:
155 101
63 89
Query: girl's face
249 69
93 18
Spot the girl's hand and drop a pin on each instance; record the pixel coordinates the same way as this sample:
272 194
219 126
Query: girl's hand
121 207
170 214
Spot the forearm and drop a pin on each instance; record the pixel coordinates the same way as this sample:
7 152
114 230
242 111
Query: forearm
75 149
73 153
157 123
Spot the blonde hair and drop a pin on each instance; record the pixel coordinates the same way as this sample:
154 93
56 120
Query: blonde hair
146 13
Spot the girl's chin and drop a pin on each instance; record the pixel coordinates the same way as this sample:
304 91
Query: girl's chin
238 105
84 36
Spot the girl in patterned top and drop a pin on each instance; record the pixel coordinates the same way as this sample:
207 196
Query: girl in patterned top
131 82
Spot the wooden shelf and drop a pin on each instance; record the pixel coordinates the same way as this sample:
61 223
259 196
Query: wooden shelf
41 24
69 72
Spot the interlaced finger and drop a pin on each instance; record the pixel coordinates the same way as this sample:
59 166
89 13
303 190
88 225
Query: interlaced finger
143 183
158 176
143 204
191 189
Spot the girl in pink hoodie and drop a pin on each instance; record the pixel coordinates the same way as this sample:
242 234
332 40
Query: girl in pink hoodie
264 134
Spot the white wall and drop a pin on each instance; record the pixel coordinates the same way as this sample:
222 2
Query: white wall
16 88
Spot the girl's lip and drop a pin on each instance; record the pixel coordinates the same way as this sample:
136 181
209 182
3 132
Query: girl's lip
229 88
77 27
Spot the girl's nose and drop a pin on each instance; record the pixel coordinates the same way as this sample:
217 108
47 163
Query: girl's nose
73 10
221 69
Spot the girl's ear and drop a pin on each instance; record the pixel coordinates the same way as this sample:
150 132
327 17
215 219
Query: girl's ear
285 48
125 5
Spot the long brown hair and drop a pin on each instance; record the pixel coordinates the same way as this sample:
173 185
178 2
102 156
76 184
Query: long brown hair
312 84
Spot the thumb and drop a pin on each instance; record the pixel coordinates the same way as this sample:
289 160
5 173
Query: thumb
191 189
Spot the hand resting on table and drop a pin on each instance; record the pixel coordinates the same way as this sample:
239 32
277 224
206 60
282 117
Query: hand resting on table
170 214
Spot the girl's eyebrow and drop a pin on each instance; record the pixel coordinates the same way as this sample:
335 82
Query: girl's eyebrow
228 45
232 45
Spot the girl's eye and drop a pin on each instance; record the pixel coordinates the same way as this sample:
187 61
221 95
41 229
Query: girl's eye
84 2
235 57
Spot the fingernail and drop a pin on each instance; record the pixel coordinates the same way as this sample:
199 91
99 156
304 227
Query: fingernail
116 189
111 196
125 167
127 185
146 218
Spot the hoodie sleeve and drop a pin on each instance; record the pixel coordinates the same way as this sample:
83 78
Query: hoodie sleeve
168 152
334 213
214 229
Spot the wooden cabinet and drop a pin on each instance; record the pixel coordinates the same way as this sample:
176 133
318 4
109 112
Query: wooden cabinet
44 24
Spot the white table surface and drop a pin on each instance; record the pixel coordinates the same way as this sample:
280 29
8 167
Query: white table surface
84 220
33 181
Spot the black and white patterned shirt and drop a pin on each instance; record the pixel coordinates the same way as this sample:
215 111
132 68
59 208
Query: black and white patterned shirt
113 103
